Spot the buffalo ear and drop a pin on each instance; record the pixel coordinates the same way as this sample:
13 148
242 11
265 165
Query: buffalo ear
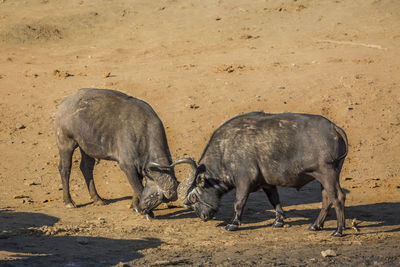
200 180
151 166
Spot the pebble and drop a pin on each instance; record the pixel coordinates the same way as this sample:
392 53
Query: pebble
328 253
31 183
20 126
313 260
83 240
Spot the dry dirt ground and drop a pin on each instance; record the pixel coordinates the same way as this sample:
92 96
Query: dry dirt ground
199 63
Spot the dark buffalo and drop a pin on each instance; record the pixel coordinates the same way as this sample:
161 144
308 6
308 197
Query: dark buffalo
262 151
110 125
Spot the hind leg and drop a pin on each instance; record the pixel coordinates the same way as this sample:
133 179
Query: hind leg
329 178
326 205
66 147
87 166
272 193
339 208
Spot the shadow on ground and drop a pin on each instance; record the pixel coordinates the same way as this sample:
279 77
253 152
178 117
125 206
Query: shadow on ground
258 209
106 201
23 245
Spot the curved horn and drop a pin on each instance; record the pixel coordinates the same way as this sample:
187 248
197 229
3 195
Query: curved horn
189 161
186 185
157 165
153 164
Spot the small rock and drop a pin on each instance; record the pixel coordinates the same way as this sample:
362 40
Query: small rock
313 260
162 262
375 185
62 74
281 87
106 74
20 126
83 240
328 253
31 183
194 106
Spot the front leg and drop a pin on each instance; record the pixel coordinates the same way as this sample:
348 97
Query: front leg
240 200
136 184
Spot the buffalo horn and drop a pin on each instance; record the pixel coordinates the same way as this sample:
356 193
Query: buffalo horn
187 184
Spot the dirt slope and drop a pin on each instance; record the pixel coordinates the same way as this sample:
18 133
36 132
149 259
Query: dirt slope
198 63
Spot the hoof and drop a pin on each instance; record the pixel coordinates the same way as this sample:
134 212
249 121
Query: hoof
315 228
337 234
70 206
278 224
232 227
150 215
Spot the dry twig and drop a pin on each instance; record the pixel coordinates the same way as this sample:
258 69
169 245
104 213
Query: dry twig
352 43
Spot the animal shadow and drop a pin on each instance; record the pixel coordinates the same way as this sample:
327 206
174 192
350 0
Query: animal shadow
22 239
106 201
258 209
182 213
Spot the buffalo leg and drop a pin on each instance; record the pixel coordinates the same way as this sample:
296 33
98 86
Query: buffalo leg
273 197
242 193
87 166
326 205
136 184
329 179
66 148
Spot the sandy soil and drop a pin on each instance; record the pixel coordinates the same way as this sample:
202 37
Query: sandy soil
198 63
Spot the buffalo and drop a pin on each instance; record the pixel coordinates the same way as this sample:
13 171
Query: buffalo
257 151
111 125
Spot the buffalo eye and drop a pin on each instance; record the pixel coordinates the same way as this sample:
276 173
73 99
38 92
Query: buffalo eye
192 198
